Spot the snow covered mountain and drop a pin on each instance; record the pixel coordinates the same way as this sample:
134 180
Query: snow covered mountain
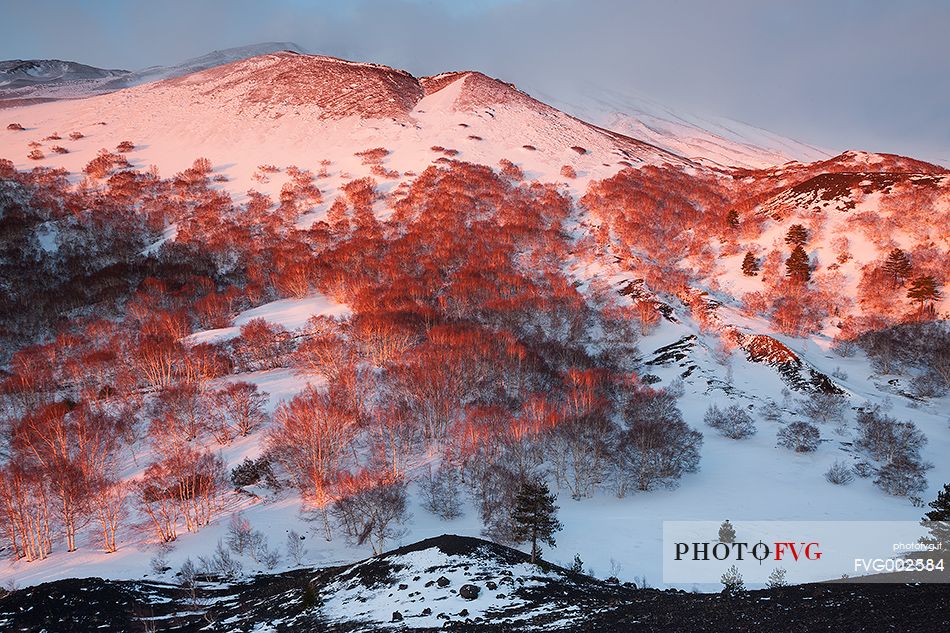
715 141
348 206
276 105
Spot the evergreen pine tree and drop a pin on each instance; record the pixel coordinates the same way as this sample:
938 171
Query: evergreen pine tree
798 266
535 516
732 219
750 265
578 565
732 582
797 234
727 533
924 291
777 578
897 266
941 514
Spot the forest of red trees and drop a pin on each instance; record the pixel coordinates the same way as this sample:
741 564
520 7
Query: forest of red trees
467 340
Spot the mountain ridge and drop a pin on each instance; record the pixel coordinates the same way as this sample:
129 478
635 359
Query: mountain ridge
708 146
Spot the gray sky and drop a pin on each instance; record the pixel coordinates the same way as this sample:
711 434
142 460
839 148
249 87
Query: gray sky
868 74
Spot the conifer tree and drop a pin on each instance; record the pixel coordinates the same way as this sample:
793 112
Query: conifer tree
797 234
798 266
732 583
535 516
940 530
897 266
924 291
750 265
727 533
578 565
777 578
732 219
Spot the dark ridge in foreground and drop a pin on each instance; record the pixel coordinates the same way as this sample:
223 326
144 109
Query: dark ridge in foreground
294 601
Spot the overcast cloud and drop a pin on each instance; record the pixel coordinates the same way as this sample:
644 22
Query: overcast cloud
870 74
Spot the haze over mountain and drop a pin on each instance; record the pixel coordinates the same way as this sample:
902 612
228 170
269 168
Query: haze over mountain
716 141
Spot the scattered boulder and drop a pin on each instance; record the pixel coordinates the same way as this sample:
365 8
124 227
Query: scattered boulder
397 617
469 592
463 613
442 581
492 585
427 611
403 587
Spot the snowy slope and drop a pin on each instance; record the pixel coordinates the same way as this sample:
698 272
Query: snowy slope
715 141
749 479
290 109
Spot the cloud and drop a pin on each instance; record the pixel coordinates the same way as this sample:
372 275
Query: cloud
869 74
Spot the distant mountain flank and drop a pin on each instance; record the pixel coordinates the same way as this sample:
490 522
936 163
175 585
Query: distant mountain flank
20 73
39 80
714 141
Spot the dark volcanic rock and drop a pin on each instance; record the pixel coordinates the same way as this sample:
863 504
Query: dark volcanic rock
469 592
293 602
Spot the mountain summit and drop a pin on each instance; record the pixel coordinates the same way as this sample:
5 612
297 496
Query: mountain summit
713 142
